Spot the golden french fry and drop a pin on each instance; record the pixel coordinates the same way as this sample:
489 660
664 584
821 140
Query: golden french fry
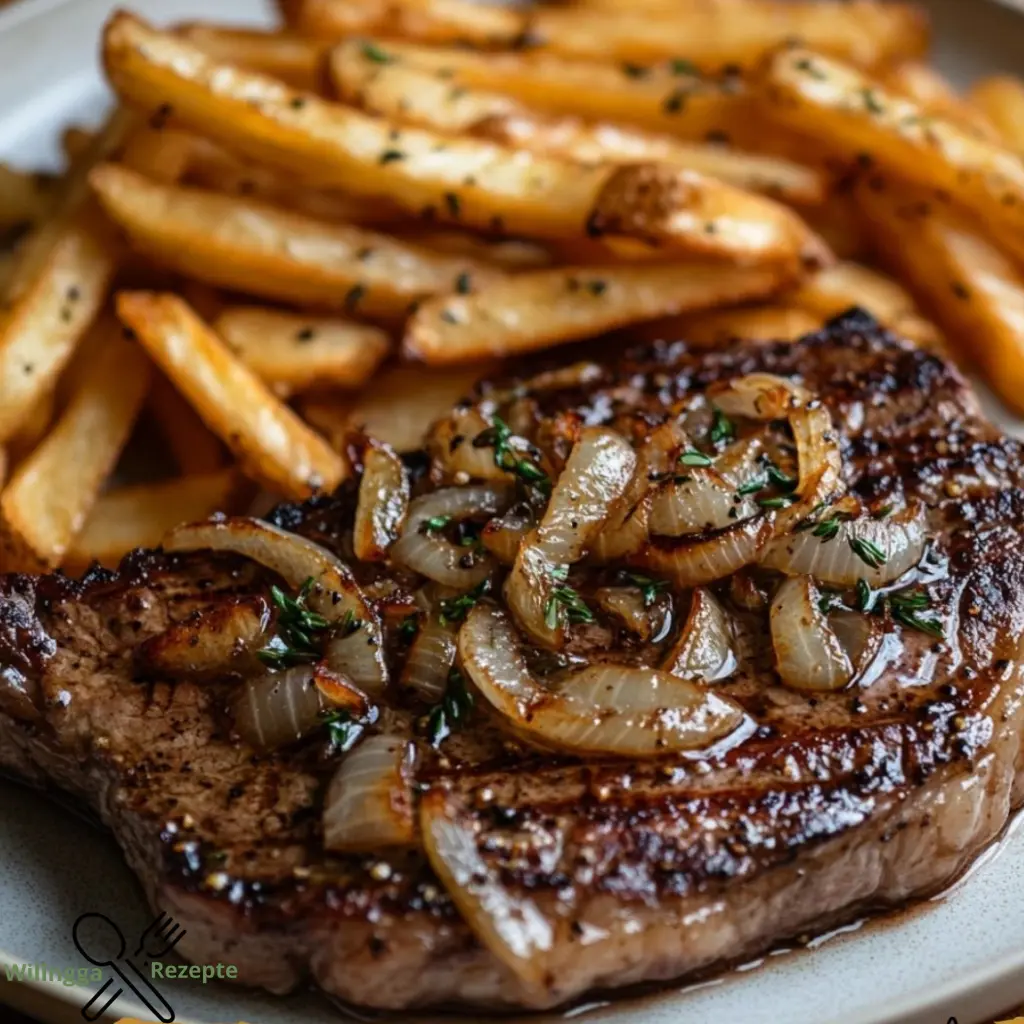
710 35
294 353
75 141
458 180
140 516
510 254
194 449
25 197
399 406
974 291
162 154
1001 101
936 94
857 118
417 96
543 308
755 323
272 444
33 430
292 58
235 243
841 227
45 504
51 312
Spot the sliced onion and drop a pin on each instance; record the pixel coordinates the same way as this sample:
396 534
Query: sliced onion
383 502
808 654
700 504
459 459
276 709
861 636
901 539
369 802
698 563
430 659
595 479
358 655
502 536
704 649
220 640
628 606
758 396
602 709
430 553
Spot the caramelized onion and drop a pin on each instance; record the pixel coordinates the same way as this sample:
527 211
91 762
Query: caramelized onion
430 659
452 447
808 654
369 802
704 649
502 535
428 552
704 501
276 709
758 396
358 654
383 502
602 709
628 606
594 480
848 552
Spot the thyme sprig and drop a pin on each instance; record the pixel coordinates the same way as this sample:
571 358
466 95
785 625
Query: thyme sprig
649 588
296 640
497 436
455 609
452 711
565 603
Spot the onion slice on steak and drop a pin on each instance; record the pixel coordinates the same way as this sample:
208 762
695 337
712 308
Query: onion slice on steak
427 551
703 650
875 550
502 535
430 658
808 654
273 710
595 479
601 709
369 801
382 505
356 651
758 396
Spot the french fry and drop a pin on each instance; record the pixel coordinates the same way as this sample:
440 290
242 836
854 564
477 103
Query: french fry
974 291
162 154
509 254
856 118
139 516
711 35
840 225
756 323
272 444
932 91
291 58
45 504
294 353
416 96
235 243
458 180
51 312
537 310
25 197
1001 101
399 406
194 449
34 429
75 141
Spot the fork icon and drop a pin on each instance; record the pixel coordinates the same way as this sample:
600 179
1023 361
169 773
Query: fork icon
160 937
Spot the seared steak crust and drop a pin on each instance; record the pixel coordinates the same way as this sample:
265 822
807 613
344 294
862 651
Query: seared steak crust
835 805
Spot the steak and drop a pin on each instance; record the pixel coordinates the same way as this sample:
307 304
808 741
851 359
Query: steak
831 805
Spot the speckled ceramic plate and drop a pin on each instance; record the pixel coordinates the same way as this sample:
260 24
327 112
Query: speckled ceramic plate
959 956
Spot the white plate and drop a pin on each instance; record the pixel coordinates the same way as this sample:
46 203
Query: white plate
962 955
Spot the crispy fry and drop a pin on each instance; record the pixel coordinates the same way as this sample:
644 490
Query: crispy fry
50 314
458 180
417 96
537 310
163 154
1001 101
975 293
140 516
711 35
45 504
25 198
509 254
236 243
294 353
292 58
930 90
75 141
841 226
34 429
397 408
858 119
272 444
194 449
755 323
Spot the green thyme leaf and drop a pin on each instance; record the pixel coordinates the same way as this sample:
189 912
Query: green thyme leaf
455 609
649 588
868 552
371 51
722 428
435 523
692 457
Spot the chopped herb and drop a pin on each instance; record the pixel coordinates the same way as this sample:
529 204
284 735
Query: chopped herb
675 101
597 287
454 708
306 334
463 283
868 552
354 295
391 155
649 588
780 479
497 436
753 486
635 70
564 601
782 501
827 528
683 67
871 102
722 428
294 643
806 65
435 523
884 512
692 457
454 203
905 607
349 624
828 600
341 730
298 102
455 609
371 51
866 597
409 627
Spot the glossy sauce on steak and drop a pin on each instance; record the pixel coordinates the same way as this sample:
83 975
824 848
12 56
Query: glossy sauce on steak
562 871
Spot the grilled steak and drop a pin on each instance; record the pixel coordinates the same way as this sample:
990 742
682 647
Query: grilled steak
593 871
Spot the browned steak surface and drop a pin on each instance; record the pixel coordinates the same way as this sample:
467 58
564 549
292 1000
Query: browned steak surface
622 871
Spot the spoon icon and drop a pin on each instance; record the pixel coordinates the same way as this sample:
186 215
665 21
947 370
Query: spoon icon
107 949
